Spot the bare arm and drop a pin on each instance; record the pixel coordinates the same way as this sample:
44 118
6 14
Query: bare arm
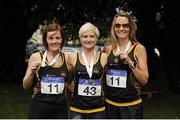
33 66
71 61
104 57
141 71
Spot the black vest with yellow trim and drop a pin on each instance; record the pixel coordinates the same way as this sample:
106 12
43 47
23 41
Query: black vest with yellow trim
116 95
55 71
87 104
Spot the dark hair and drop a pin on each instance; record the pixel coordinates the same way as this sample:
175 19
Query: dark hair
53 27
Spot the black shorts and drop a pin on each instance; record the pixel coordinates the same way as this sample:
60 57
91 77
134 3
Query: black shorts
128 112
45 110
96 115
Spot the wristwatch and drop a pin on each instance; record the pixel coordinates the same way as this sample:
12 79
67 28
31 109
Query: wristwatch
133 65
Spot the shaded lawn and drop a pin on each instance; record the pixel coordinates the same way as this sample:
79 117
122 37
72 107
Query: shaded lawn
14 104
162 107
14 101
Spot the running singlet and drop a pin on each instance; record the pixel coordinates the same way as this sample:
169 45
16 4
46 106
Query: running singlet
50 82
87 97
120 79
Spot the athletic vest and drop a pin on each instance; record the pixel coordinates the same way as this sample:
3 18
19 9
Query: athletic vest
120 73
49 83
87 97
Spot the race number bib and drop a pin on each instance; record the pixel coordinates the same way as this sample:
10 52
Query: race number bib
89 87
116 78
52 85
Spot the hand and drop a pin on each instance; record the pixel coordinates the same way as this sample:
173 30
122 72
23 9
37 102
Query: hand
35 66
125 58
138 86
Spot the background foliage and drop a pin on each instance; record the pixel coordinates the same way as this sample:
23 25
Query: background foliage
22 18
158 27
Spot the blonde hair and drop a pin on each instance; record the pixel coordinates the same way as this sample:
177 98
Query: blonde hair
133 28
89 27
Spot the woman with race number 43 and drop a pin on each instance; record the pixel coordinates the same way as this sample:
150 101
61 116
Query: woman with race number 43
87 65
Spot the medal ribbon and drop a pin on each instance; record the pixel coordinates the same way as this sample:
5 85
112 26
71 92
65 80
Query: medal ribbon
126 49
43 64
88 67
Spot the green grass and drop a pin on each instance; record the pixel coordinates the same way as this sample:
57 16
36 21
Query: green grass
14 101
162 107
14 104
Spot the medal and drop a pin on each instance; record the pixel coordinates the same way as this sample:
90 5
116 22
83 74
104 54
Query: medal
116 60
90 81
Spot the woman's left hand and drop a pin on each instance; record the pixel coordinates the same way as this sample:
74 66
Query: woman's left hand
125 58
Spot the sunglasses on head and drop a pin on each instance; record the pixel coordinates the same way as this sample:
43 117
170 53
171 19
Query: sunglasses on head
117 25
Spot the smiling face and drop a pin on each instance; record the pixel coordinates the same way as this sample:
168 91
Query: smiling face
54 40
53 36
88 39
122 27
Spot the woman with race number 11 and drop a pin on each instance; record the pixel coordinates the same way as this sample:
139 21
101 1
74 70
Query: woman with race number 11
127 70
47 72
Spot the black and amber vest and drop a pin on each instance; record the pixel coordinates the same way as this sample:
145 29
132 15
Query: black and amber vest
122 96
54 71
87 104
